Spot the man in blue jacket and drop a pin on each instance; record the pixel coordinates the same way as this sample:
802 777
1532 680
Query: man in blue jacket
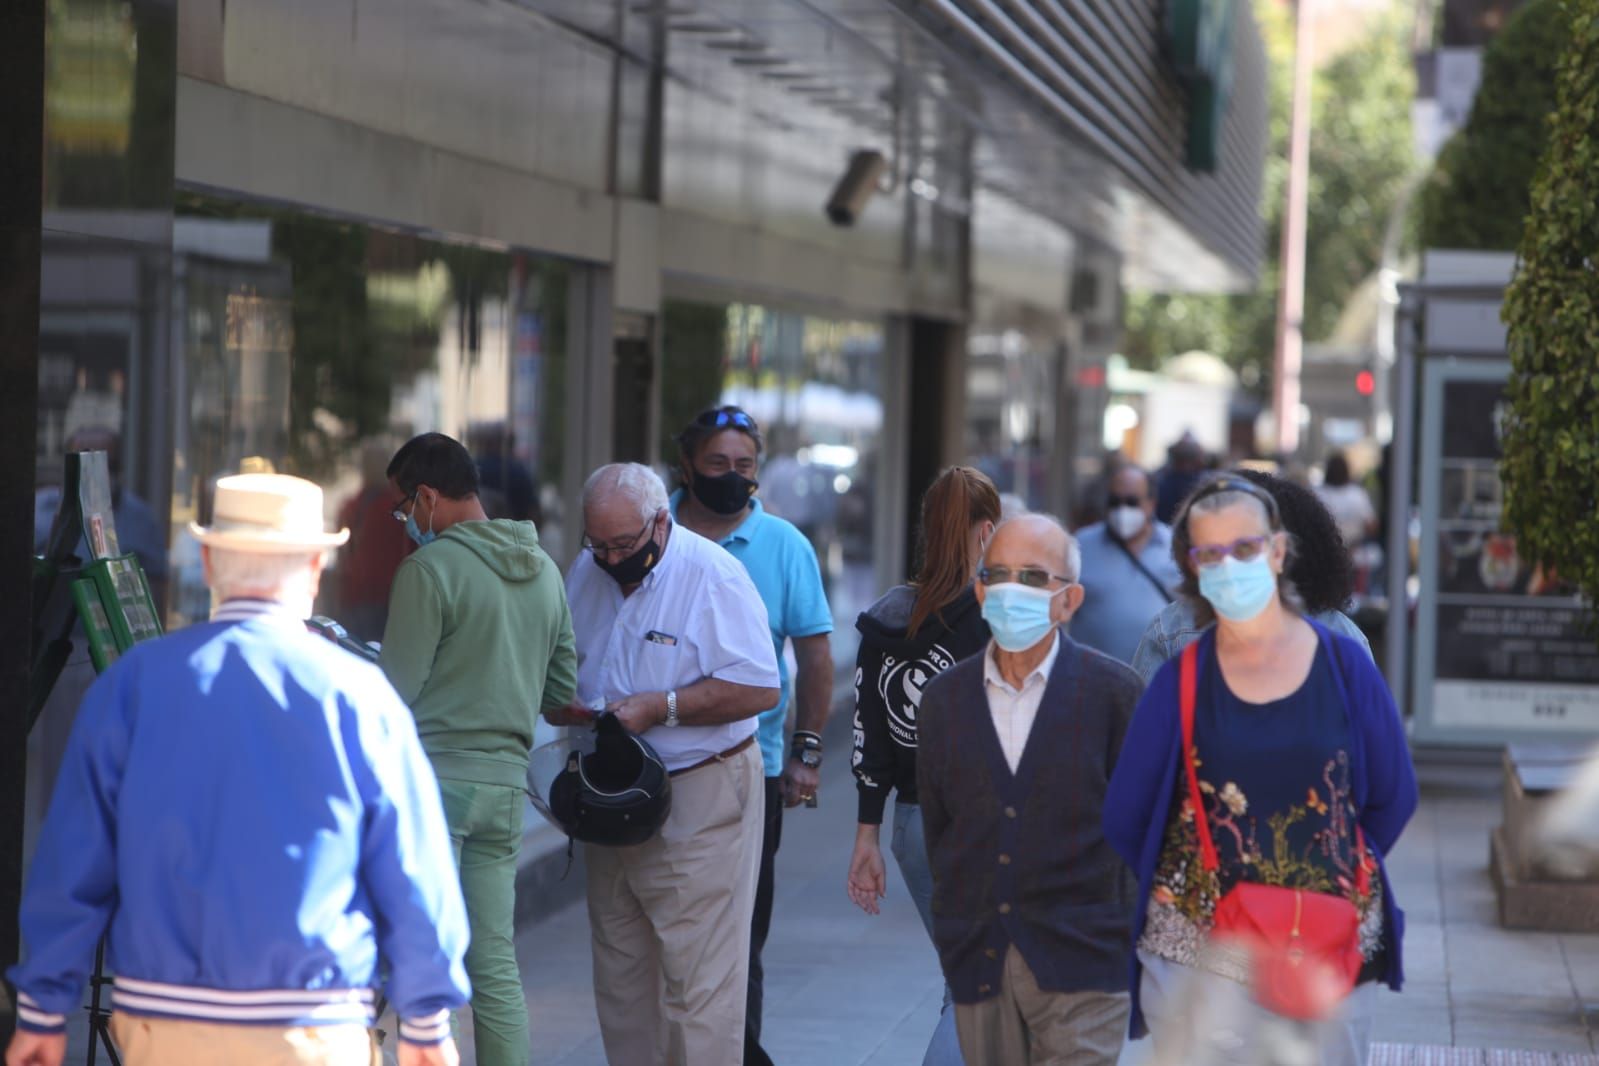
245 812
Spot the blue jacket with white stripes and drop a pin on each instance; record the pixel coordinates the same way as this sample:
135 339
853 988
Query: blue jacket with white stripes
247 810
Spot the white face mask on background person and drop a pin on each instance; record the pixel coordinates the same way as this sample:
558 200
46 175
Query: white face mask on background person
1126 522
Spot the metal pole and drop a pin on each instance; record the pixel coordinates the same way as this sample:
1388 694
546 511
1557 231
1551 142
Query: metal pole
1291 298
1401 459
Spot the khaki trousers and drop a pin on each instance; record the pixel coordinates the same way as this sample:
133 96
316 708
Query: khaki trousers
670 921
1027 1026
171 1042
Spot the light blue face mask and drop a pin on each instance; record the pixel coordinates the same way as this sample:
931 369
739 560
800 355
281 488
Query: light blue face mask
422 537
1018 616
1237 590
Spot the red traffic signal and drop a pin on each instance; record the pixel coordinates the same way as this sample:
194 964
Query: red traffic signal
1365 383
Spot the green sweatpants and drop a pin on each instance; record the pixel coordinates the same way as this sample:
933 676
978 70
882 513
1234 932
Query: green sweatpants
486 833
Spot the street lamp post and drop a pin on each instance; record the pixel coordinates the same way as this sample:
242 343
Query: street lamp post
1289 345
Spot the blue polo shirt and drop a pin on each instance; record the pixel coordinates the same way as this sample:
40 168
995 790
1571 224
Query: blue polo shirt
783 566
1118 600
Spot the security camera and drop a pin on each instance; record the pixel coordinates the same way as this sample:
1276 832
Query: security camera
856 187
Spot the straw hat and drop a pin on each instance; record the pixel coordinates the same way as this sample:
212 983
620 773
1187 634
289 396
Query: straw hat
267 513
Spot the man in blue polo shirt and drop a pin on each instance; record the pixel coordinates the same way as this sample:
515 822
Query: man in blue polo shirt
720 456
1128 573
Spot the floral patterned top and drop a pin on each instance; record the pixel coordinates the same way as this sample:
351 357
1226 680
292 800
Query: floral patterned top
1274 781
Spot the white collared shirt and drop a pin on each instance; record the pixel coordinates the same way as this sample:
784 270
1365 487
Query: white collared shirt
696 615
250 609
1014 709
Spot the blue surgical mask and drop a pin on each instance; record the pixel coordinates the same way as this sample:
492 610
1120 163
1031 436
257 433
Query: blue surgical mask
1017 615
1237 590
421 536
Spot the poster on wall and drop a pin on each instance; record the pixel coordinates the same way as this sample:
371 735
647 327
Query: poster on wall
1504 651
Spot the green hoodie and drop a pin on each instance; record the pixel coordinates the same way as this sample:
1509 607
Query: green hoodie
479 642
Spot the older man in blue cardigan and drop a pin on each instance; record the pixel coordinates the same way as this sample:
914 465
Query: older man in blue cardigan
1031 907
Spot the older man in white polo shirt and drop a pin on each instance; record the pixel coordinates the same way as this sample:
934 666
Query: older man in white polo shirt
673 638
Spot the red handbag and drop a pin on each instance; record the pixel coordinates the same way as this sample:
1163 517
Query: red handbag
1303 947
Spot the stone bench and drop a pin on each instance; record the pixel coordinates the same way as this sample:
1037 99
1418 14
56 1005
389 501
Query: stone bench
1539 888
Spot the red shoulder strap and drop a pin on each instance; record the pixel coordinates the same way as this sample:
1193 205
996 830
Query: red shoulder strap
1189 671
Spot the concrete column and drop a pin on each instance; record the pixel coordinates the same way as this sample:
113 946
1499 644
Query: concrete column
935 430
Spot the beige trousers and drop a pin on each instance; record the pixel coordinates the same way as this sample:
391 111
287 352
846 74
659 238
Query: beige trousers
171 1042
1027 1026
670 921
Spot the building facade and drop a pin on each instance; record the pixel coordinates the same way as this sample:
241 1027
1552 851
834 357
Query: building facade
289 234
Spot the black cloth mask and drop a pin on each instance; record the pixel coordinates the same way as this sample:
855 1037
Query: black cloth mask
727 494
635 567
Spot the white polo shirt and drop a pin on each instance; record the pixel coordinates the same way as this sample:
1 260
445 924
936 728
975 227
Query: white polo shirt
1014 710
696 615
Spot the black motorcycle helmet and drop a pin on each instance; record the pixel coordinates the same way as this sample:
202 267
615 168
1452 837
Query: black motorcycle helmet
617 795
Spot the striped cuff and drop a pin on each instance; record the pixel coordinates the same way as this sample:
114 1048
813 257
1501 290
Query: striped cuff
429 1029
35 1020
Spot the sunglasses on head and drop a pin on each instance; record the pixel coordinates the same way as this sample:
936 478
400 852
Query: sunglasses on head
723 417
1032 577
1228 483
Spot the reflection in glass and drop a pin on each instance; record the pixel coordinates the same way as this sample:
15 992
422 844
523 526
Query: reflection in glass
815 387
1010 411
316 346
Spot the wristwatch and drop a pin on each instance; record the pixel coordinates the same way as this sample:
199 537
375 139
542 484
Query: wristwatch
807 748
671 709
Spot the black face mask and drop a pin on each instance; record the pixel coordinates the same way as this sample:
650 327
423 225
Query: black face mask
635 567
726 494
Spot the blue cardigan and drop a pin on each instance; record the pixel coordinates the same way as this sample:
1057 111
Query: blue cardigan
248 811
1139 800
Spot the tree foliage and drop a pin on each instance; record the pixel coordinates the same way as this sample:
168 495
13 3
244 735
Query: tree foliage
1477 194
1360 155
1551 428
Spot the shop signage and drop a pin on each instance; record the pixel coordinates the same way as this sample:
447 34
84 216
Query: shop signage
1199 41
1503 652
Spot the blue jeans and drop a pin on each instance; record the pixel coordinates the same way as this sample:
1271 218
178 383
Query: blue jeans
910 852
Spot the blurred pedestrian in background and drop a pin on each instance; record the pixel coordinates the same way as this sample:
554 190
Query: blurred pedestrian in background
672 638
1089 507
246 810
1303 771
1319 568
1184 469
910 636
1032 907
478 640
378 545
1347 501
1128 573
719 457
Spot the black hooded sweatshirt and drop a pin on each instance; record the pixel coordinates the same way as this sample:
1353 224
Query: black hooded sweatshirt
891 670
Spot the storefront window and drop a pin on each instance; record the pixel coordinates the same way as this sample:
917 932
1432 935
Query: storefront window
1011 413
815 387
316 347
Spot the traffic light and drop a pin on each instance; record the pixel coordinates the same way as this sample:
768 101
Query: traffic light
1365 383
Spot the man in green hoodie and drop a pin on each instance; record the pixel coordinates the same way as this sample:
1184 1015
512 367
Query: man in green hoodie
478 643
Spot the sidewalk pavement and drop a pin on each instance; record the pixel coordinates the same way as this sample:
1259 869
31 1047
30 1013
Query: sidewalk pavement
844 988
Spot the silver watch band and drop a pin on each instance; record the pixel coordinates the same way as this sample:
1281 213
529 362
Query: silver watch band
671 708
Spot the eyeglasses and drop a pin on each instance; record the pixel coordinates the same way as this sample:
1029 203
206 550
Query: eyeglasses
1243 549
400 513
1113 502
613 549
722 417
1032 577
